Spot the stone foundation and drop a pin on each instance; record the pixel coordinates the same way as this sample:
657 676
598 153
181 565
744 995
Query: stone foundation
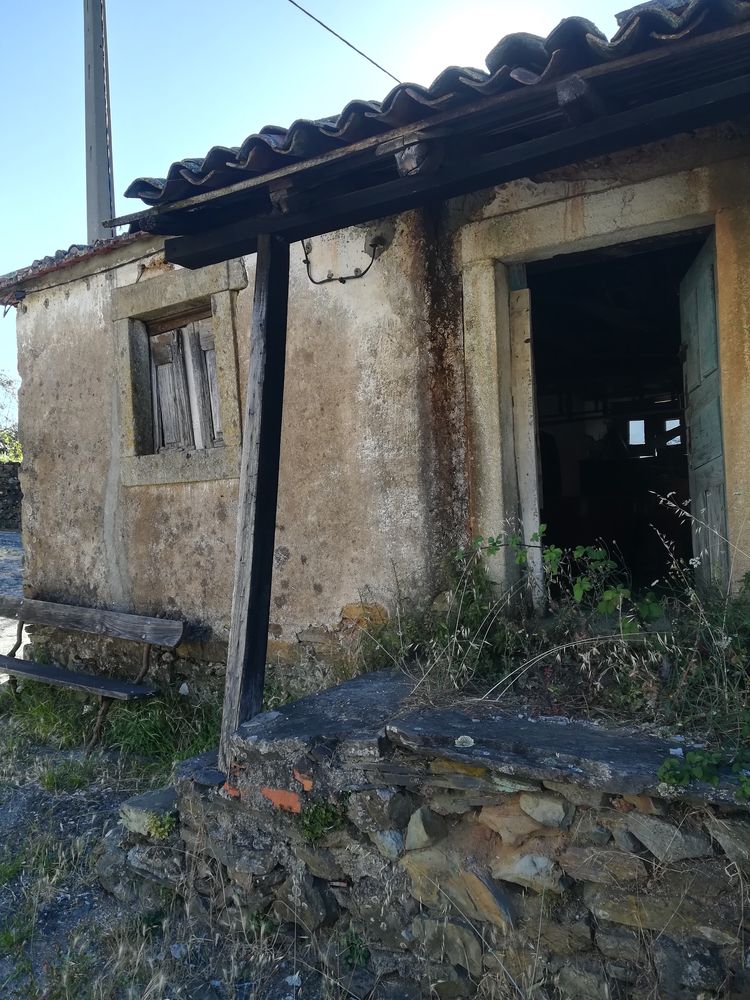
445 853
317 659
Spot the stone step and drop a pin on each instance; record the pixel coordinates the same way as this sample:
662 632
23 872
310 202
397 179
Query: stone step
151 814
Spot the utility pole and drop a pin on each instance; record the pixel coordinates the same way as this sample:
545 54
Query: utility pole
100 201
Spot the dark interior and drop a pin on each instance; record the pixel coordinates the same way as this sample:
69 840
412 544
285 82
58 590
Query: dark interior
606 334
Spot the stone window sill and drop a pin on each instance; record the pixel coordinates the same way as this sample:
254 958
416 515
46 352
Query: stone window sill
181 466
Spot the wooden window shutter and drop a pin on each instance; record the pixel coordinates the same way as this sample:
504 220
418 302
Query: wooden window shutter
201 372
208 347
173 426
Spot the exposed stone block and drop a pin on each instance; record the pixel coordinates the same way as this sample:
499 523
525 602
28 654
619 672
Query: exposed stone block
439 877
396 989
425 829
449 983
533 871
509 821
733 834
149 814
645 804
158 864
587 831
578 794
691 966
583 981
666 841
626 841
390 843
301 902
383 920
452 803
619 943
683 915
451 940
357 983
377 808
593 864
320 862
549 810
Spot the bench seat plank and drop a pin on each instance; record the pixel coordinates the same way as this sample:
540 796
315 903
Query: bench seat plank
107 687
98 621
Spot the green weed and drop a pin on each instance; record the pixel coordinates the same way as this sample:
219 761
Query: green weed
160 827
158 730
10 867
675 654
164 728
354 952
47 715
321 818
68 775
16 932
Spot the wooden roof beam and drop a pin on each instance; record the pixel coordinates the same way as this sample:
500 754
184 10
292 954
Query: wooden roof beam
645 123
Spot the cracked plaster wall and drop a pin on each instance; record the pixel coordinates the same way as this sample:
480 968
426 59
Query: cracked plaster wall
371 490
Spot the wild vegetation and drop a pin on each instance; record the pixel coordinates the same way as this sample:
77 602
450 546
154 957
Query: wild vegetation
674 655
156 732
10 445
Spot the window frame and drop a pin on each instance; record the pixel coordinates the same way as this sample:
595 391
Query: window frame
167 303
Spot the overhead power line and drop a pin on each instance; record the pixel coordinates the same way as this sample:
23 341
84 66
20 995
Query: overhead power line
342 39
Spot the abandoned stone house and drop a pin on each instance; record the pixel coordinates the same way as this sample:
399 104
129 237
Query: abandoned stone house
547 322
567 346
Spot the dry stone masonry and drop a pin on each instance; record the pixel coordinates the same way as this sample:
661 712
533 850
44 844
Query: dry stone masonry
448 853
10 496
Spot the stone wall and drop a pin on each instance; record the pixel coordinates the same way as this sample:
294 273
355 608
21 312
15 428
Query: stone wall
458 853
10 496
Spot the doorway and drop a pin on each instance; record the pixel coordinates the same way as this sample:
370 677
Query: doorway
609 352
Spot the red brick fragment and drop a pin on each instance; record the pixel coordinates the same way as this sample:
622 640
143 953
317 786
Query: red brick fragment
231 790
304 779
282 799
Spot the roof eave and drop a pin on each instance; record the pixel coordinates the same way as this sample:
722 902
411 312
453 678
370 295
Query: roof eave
720 55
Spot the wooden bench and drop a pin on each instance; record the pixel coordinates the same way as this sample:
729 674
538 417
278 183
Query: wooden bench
113 624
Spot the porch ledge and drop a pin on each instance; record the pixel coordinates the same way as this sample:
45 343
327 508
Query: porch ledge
369 723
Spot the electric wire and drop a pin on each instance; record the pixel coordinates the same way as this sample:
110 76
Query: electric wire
342 39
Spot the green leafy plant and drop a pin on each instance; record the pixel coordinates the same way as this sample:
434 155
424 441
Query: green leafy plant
161 826
354 952
696 765
321 818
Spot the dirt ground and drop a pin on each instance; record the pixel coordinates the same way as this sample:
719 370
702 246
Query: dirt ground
63 938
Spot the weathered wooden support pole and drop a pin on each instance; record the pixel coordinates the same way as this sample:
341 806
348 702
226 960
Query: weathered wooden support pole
259 481
100 198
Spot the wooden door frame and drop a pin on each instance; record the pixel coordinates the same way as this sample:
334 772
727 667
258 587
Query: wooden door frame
624 214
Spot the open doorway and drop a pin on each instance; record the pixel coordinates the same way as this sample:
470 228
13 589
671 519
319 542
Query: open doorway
610 397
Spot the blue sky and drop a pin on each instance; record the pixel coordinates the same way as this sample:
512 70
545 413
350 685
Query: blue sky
187 74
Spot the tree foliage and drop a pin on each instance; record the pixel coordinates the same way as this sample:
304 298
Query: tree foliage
10 445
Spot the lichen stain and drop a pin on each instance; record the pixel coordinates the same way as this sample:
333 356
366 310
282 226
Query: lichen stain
442 407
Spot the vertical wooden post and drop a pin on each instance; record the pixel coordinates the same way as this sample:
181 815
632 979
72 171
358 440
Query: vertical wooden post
100 199
259 480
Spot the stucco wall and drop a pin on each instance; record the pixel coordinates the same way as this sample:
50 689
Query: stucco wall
372 491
